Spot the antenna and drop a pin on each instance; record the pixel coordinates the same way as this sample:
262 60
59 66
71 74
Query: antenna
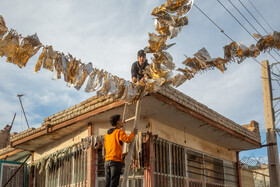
19 96
12 122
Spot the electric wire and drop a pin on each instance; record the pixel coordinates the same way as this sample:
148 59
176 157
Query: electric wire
273 64
243 26
277 113
261 15
276 124
253 17
256 21
232 41
248 20
274 74
222 30
243 16
213 22
236 19
266 139
276 81
277 69
277 76
265 67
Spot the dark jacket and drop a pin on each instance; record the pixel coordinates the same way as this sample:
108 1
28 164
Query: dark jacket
137 71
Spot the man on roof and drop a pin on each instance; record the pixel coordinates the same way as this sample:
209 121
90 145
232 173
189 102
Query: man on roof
138 67
113 143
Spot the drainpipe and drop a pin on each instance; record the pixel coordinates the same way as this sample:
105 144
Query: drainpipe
91 160
149 171
32 170
238 172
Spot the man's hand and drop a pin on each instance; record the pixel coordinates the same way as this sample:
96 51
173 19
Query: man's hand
134 131
134 80
143 80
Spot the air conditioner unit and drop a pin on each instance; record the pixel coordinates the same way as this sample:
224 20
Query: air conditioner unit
7 169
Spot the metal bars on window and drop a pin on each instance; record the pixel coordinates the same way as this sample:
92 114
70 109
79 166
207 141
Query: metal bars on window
176 165
67 170
230 173
169 163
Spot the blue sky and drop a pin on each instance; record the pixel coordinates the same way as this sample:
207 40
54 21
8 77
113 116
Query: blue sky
109 34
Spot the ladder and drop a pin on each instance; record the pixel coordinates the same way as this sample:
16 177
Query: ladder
132 144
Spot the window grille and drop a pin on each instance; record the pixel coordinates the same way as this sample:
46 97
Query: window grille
7 169
230 173
213 170
175 165
169 163
195 165
69 169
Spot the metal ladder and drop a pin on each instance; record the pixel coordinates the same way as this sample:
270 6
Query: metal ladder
132 144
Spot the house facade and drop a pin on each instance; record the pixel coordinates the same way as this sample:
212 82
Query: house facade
181 142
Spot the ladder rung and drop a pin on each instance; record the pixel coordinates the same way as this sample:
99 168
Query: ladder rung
129 119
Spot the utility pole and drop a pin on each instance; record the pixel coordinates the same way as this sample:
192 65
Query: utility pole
19 96
272 150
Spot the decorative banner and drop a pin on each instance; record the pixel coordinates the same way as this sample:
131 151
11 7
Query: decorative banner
170 18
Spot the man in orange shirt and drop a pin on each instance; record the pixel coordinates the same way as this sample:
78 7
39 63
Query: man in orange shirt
113 143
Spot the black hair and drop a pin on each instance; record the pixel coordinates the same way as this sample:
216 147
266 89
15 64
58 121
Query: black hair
141 53
114 119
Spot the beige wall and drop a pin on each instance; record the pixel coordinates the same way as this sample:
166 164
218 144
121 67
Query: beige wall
63 142
178 136
261 176
162 130
255 178
99 128
247 178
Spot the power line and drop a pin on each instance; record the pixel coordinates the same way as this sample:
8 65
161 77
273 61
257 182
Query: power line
277 113
274 64
264 67
243 16
277 69
277 79
236 19
253 17
261 15
222 31
242 25
231 40
256 21
277 76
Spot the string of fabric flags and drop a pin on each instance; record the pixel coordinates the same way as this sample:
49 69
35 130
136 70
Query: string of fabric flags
170 18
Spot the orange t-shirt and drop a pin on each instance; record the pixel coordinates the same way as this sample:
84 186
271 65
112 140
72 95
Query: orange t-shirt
113 144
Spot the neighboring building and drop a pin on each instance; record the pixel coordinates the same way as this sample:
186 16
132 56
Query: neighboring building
255 177
261 176
254 173
181 142
5 137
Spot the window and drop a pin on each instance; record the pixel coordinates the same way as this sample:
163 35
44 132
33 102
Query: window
63 169
230 173
213 170
175 165
195 165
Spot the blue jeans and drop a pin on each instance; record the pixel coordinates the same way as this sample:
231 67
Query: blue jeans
112 173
